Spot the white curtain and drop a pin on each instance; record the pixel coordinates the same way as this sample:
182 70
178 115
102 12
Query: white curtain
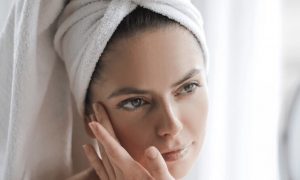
242 135
4 9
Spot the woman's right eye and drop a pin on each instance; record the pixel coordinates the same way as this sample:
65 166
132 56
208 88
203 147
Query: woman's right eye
132 104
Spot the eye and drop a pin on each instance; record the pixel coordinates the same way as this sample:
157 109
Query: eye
132 103
189 88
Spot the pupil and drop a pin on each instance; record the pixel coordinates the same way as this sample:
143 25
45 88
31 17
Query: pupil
136 102
188 87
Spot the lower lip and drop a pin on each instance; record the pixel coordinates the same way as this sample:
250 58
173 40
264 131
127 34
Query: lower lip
175 155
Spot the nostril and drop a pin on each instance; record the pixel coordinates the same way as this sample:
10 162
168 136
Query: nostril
172 128
169 122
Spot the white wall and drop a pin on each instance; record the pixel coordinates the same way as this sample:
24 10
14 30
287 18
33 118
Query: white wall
290 81
291 48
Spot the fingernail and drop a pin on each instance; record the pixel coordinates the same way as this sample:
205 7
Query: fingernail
151 153
92 126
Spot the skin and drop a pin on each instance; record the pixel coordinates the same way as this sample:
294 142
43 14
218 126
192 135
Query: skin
165 116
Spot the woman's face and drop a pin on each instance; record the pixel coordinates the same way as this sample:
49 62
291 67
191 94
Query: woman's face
154 90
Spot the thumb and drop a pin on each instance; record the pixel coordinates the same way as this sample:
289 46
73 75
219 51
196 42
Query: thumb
156 164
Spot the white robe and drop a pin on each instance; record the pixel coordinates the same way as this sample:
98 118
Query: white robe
41 132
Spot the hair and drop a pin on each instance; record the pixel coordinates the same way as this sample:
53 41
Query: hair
139 20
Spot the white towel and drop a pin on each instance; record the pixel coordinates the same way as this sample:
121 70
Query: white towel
86 26
42 96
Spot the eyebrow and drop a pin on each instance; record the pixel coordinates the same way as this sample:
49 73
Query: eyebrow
132 90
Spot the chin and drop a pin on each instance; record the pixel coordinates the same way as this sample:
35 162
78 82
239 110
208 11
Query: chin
179 172
181 167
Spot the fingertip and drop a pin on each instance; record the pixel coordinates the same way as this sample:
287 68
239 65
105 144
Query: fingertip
93 126
155 164
90 152
151 153
86 148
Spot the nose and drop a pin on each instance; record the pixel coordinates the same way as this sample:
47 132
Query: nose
169 122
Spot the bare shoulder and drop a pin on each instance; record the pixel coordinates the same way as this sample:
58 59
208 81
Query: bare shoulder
88 174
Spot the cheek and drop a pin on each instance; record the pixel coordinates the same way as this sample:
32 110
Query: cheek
133 135
195 115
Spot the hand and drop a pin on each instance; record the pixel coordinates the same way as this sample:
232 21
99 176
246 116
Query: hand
116 163
87 174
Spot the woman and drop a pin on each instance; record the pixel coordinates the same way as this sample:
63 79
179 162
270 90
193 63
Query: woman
137 73
149 91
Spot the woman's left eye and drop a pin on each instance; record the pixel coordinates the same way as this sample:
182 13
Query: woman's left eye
189 88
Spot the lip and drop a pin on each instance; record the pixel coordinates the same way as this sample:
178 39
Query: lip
176 153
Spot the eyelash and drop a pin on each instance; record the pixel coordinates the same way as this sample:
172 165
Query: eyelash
196 84
130 100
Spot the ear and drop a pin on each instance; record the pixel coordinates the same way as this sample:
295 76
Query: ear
88 119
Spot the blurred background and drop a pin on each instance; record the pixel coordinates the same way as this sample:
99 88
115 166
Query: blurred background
254 75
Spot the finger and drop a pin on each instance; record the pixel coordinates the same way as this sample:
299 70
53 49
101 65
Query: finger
116 153
156 165
95 161
103 118
89 173
106 162
118 156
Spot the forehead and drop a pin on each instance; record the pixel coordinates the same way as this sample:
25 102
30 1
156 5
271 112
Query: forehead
152 58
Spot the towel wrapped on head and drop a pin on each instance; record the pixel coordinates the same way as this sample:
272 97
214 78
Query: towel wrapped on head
85 27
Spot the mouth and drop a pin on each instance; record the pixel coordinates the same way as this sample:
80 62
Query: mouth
176 154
